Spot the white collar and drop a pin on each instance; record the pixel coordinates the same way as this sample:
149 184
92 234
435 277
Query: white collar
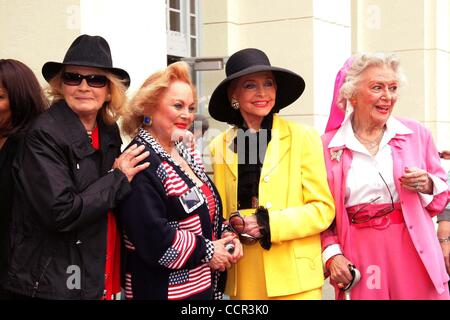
345 136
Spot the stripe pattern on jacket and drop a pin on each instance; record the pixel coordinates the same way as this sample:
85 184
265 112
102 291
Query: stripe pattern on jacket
174 255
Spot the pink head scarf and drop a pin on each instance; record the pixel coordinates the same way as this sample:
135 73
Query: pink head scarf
337 112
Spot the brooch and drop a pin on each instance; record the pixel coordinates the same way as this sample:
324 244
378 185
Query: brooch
336 155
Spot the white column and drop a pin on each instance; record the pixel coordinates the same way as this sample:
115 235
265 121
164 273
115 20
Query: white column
135 31
332 47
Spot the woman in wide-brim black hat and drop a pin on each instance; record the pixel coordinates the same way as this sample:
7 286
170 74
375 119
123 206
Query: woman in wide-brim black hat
70 175
271 176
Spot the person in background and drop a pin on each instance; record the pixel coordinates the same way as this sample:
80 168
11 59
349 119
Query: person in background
21 101
199 126
383 223
68 177
198 129
271 176
172 220
443 220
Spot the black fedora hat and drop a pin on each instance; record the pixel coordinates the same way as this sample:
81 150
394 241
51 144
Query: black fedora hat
290 85
87 51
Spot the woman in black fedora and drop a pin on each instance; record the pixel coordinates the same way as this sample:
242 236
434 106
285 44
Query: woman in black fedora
69 175
271 176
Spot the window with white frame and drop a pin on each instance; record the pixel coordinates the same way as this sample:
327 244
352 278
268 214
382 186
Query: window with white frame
182 28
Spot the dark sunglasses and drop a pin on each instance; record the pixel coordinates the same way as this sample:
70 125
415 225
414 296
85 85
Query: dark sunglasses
362 215
93 80
236 224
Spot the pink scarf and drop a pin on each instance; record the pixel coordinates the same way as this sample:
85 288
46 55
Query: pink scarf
338 105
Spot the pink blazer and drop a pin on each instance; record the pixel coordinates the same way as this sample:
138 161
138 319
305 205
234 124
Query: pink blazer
412 150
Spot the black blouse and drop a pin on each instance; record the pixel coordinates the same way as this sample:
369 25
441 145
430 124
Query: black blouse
251 148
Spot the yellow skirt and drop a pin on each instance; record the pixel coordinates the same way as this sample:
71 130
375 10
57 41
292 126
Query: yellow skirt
251 282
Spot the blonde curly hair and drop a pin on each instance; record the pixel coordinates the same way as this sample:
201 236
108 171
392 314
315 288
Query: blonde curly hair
151 92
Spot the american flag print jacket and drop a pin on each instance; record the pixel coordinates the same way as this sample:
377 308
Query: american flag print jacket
168 230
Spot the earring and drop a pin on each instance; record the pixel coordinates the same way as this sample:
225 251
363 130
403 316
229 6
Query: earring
235 104
147 121
108 97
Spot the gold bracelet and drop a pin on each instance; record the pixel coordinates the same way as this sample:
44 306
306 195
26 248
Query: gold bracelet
442 240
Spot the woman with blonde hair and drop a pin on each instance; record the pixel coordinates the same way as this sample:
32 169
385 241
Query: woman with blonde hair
172 220
69 177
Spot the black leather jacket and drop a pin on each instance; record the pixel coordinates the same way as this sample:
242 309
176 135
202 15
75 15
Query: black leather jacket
7 154
64 188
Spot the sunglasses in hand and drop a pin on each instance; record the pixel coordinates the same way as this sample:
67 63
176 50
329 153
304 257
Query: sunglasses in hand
236 224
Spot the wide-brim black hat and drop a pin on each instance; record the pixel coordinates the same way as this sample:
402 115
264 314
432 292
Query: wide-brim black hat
87 51
290 85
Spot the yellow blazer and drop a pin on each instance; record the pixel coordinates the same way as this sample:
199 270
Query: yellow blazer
294 188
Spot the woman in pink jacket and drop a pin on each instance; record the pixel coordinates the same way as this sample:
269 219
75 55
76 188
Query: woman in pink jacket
387 182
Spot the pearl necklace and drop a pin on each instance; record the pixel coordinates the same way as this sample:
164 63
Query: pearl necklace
370 144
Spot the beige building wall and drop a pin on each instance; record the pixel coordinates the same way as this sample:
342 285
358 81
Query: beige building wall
33 31
419 32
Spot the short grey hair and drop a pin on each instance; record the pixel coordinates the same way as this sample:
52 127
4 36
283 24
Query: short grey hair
363 61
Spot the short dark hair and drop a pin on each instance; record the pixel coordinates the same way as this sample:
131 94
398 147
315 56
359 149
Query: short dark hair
26 97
